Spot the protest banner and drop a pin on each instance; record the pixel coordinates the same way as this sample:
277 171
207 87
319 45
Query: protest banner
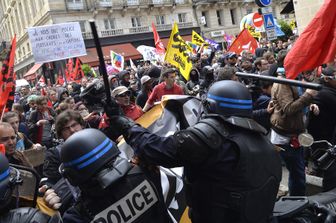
56 42
178 53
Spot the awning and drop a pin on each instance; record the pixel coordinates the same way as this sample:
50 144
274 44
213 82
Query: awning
126 49
166 40
288 9
31 74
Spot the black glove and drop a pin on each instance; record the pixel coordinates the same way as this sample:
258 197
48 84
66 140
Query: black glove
112 109
121 125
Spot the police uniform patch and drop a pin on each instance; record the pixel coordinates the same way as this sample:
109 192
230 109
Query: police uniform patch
130 207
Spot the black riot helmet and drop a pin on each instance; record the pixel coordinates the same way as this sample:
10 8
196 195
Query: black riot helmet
229 98
93 96
84 154
9 178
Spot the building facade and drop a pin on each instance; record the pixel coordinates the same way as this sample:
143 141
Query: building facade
219 17
305 11
121 24
118 22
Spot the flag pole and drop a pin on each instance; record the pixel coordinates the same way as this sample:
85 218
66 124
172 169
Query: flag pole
102 67
3 112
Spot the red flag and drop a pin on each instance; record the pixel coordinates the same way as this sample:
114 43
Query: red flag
158 43
68 70
78 73
60 79
7 76
244 41
316 45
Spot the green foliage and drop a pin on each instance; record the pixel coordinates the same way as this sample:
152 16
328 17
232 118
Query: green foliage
86 69
285 27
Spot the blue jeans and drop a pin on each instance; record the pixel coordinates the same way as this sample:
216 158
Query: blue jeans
294 160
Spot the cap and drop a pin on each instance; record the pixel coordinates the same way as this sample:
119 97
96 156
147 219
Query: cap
145 79
119 90
232 55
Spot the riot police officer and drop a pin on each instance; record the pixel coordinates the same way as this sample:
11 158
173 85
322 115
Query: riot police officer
9 179
232 171
112 189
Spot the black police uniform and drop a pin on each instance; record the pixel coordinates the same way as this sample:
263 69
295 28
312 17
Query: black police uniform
28 215
232 170
112 189
9 179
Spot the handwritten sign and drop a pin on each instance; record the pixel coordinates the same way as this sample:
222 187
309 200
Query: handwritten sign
56 42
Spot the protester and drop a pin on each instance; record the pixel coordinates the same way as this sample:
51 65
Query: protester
122 95
40 122
168 86
8 139
287 123
22 141
146 90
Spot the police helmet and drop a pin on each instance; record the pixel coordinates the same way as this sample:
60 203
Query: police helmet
229 98
84 154
9 177
93 95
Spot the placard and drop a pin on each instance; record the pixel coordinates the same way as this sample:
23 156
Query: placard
56 42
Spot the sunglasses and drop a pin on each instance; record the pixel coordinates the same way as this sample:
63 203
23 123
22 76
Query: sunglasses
127 93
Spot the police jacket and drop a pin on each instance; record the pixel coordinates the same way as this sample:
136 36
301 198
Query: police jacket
133 198
28 215
232 171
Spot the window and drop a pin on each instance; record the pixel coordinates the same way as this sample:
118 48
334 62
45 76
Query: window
136 22
160 20
74 1
219 17
28 47
249 11
82 26
18 23
23 51
233 16
182 17
109 23
22 15
204 15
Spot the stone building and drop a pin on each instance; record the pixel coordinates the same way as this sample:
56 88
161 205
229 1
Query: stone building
122 24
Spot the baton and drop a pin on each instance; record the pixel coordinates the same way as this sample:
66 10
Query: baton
280 80
102 68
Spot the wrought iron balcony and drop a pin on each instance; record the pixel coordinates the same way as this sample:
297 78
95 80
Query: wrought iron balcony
163 27
87 35
140 29
185 24
112 32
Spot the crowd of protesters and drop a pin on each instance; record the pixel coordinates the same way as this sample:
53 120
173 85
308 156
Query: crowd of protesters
49 115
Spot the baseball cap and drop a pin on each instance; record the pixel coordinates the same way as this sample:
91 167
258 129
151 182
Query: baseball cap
144 79
119 90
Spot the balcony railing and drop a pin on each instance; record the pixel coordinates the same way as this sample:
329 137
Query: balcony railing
163 27
87 35
112 32
105 4
185 24
139 29
75 5
162 2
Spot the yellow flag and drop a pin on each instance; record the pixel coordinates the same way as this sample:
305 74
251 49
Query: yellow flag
178 53
197 39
